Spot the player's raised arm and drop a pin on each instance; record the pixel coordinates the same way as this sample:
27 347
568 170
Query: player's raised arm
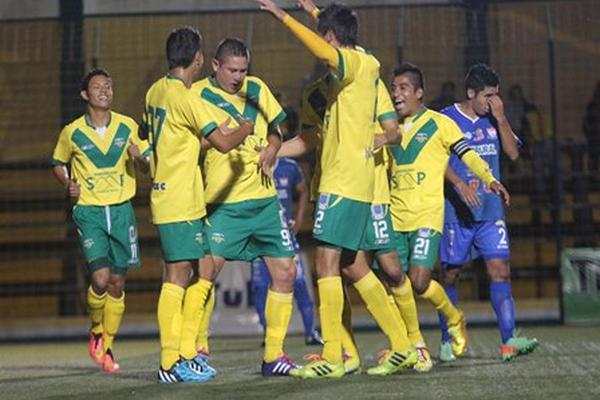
508 138
309 7
315 44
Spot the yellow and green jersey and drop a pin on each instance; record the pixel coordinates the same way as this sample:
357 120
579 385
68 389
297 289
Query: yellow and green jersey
347 167
418 168
314 103
234 176
99 158
174 117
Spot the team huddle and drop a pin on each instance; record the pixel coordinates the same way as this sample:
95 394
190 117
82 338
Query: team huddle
381 214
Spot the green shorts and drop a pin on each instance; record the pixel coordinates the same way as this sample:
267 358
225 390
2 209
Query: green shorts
379 234
342 222
182 241
108 236
418 247
249 229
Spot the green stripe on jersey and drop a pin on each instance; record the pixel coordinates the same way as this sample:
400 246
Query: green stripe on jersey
93 153
416 144
250 105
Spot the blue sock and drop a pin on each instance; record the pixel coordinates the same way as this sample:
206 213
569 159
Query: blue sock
453 296
260 288
305 304
504 307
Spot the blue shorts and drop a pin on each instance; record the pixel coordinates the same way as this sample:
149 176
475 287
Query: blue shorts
487 239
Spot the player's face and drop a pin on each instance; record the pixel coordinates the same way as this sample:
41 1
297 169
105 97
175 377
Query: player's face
99 94
481 101
231 72
407 99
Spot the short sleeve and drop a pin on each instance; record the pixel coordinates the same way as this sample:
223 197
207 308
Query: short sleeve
451 133
385 108
347 66
63 151
200 119
273 111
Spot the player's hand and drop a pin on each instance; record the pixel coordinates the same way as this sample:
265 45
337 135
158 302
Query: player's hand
271 7
497 107
294 227
266 160
501 191
306 5
468 195
380 141
133 150
73 188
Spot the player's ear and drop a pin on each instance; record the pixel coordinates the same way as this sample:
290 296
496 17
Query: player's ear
419 92
471 94
215 64
200 58
84 95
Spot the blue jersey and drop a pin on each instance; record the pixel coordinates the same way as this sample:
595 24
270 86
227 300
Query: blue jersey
482 135
287 175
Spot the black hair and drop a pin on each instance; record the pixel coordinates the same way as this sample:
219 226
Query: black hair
341 21
414 72
480 76
182 45
231 47
85 80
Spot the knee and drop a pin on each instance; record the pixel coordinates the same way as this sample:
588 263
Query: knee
285 277
450 277
116 287
420 286
100 282
499 271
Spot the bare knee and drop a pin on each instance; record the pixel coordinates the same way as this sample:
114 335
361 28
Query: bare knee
420 279
283 274
450 276
116 286
100 280
498 270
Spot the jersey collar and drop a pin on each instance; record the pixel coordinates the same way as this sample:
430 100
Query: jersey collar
89 123
175 78
461 112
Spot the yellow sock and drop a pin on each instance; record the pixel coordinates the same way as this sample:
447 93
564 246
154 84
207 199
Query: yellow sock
113 313
202 340
347 337
436 294
193 311
331 295
169 323
95 305
373 293
278 311
405 301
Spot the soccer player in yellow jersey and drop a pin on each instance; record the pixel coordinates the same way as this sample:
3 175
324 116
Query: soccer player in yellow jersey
346 187
245 219
174 118
102 148
380 227
417 190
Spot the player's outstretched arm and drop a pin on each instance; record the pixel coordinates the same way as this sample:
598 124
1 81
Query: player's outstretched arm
468 195
507 136
298 146
224 138
315 44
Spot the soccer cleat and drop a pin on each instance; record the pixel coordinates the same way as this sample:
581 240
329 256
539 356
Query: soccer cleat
458 333
109 364
318 369
314 339
201 367
181 372
424 363
283 366
96 348
391 362
516 346
351 364
446 354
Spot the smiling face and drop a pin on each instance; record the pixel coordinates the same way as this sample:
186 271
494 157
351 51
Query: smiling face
230 72
99 93
480 102
407 99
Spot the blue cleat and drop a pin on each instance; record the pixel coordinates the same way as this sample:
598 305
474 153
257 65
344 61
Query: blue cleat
280 367
201 367
181 372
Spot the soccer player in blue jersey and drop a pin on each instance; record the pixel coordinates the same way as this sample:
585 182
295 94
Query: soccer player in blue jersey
474 215
289 180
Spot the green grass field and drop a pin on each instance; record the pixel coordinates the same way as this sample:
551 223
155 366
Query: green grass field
566 365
